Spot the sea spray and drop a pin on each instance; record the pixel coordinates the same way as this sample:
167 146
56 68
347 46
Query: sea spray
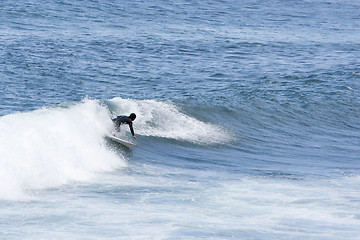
53 146
164 119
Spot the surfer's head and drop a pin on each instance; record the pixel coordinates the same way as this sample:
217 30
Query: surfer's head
132 116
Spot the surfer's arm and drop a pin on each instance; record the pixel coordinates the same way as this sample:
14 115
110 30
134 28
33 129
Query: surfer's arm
131 129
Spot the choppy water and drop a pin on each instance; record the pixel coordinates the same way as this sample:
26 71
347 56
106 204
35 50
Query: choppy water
248 119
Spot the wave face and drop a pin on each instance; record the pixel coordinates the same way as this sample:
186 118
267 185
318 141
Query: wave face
53 146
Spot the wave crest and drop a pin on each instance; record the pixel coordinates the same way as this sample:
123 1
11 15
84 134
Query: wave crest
165 119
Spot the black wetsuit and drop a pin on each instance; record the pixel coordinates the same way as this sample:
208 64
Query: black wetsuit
123 120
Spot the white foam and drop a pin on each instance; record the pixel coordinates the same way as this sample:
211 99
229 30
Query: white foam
164 119
53 146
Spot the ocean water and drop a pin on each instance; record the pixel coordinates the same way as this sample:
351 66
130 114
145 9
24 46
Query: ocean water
248 120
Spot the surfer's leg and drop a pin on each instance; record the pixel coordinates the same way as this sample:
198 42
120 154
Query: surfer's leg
117 125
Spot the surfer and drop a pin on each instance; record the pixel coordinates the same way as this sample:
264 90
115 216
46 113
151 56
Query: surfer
119 120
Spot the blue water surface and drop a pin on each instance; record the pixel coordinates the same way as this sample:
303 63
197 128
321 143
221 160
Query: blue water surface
248 119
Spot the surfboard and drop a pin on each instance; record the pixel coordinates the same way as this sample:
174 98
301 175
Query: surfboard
121 141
